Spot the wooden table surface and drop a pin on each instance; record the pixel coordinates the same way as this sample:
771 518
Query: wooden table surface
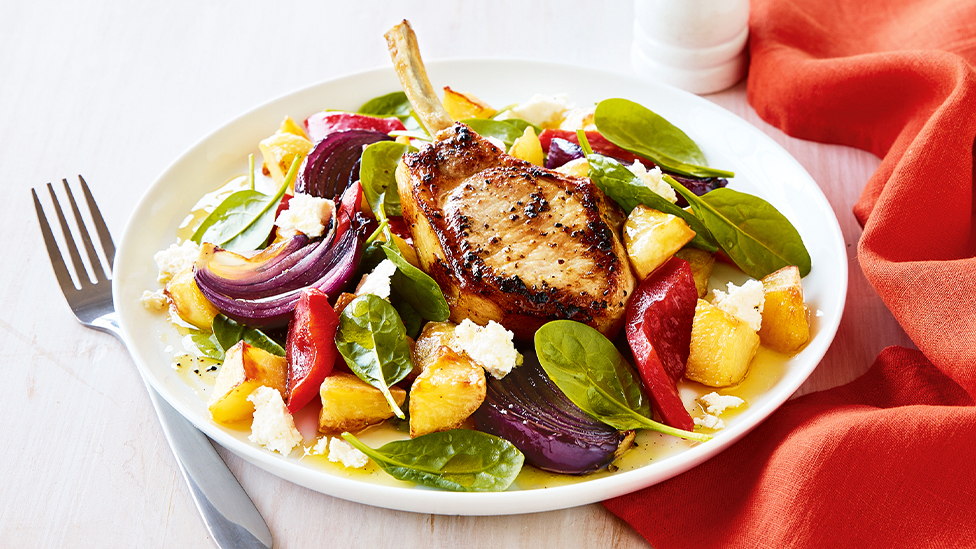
115 91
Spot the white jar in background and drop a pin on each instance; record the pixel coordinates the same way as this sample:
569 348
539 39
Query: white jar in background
696 45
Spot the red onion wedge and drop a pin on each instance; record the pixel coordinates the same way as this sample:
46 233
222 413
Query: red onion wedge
333 164
264 294
528 410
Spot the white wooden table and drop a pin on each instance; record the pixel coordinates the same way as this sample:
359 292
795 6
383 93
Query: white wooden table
115 91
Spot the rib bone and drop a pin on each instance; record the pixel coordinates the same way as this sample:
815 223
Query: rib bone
402 43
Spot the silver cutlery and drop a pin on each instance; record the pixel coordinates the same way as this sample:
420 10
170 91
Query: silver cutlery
226 509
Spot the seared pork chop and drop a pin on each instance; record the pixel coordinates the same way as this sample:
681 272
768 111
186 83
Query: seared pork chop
513 242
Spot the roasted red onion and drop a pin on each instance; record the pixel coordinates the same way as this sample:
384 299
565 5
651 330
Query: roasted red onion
333 164
263 295
528 410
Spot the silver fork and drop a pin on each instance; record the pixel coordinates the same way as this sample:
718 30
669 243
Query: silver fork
227 511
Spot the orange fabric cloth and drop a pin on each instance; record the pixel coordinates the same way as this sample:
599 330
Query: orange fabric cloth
890 459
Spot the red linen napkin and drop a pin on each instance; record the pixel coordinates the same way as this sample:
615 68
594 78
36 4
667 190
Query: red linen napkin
890 459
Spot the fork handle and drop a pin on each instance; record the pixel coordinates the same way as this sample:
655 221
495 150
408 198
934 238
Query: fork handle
226 509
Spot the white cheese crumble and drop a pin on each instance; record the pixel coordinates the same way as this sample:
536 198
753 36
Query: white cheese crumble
715 403
154 301
654 180
174 259
710 422
273 427
342 451
378 281
321 447
490 346
743 302
541 110
306 214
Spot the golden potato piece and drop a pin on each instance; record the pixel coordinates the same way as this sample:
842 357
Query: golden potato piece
350 404
722 347
460 106
288 125
431 338
245 368
701 263
450 388
528 147
279 150
576 168
785 320
190 303
652 237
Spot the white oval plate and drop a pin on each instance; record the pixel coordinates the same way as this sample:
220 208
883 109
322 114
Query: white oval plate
762 168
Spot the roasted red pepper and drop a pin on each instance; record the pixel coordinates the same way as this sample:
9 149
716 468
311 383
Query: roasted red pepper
659 319
322 124
311 350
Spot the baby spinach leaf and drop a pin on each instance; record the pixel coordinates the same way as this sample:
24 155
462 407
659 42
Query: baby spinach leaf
372 340
499 129
627 190
243 221
757 237
459 460
391 104
207 345
376 173
641 131
417 287
227 332
412 320
520 125
586 366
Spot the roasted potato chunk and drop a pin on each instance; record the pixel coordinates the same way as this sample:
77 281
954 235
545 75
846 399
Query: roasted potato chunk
351 404
701 263
652 237
722 347
785 320
190 303
448 390
460 106
245 368
528 147
280 149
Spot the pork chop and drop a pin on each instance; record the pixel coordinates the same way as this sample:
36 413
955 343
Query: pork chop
513 242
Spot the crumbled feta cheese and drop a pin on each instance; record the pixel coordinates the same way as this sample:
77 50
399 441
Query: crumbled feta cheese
578 119
541 110
273 427
744 302
490 346
154 301
710 422
306 214
715 403
342 451
654 180
321 447
378 281
174 259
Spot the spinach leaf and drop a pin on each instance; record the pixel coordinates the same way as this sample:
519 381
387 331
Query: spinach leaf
460 460
413 322
758 238
391 104
586 366
207 345
417 287
499 129
376 173
243 221
641 131
520 125
227 332
373 341
627 190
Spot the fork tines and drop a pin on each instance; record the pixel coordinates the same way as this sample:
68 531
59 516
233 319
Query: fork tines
101 229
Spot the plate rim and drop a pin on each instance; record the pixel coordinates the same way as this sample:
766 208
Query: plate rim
497 503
